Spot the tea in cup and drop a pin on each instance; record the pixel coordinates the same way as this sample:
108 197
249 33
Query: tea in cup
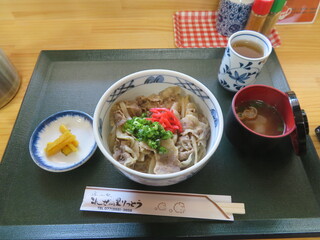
246 53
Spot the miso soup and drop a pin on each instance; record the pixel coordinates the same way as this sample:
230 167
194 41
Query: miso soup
261 117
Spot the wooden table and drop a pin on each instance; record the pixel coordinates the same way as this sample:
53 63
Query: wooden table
29 26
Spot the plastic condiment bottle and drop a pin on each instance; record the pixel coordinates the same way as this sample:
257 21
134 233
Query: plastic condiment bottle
258 15
273 16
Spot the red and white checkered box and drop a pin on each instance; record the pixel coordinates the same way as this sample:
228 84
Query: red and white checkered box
197 29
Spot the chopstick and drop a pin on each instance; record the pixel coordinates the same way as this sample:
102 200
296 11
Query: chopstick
224 207
233 208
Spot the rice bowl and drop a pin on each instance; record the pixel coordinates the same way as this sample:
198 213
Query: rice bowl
152 82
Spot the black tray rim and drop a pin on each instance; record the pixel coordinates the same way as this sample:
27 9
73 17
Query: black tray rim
248 229
244 229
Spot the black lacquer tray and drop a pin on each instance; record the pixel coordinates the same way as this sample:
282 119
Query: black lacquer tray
281 191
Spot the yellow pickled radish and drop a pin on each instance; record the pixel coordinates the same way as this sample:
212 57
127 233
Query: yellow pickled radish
66 143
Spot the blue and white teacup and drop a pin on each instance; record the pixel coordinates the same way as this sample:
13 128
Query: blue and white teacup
237 71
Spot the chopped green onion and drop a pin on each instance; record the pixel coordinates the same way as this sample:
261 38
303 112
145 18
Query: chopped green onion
147 131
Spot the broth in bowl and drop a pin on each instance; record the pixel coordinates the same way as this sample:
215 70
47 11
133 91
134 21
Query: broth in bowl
261 117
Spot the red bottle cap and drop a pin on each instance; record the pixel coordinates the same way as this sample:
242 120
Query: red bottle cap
262 7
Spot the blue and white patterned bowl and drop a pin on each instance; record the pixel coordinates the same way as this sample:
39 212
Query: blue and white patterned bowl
146 83
80 124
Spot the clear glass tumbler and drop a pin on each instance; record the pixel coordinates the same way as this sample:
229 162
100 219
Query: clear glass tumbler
9 79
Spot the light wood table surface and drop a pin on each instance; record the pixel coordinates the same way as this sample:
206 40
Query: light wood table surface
29 26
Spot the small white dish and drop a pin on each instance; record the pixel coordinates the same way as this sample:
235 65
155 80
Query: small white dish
80 124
